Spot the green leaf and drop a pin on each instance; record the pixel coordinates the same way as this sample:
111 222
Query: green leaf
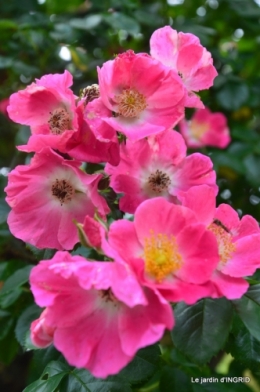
201 330
75 380
50 379
244 347
82 251
7 24
251 163
88 23
41 254
9 298
119 21
8 347
11 289
80 380
4 210
23 324
16 280
49 385
5 62
143 365
173 379
22 135
6 323
56 7
3 266
153 20
9 268
233 95
40 360
26 69
248 309
245 9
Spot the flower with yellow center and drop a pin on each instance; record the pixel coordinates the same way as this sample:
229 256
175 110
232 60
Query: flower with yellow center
226 247
161 256
198 129
130 103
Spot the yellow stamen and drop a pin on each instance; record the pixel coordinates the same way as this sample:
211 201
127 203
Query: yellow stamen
225 245
130 103
198 129
161 256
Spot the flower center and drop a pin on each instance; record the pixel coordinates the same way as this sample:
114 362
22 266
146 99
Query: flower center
130 103
161 256
59 121
224 239
198 129
90 93
62 190
108 297
158 181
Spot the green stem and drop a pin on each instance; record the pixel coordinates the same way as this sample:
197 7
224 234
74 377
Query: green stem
150 388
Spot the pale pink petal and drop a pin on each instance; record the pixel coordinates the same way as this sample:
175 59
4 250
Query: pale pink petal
134 327
227 286
159 216
163 45
200 257
228 216
32 106
202 200
188 59
122 236
196 169
187 292
246 258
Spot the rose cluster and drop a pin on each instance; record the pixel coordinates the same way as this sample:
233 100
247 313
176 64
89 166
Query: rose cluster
173 244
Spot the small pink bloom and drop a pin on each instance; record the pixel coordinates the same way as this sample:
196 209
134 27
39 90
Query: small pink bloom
95 141
145 96
41 333
169 250
158 166
183 53
238 242
47 196
99 314
206 129
48 107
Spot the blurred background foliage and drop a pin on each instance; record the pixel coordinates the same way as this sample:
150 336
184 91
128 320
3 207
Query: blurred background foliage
47 36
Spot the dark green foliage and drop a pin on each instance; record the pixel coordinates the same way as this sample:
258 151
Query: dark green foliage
202 329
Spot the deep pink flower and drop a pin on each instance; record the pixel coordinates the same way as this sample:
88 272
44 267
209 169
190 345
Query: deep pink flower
184 53
145 96
158 166
46 196
206 129
169 250
96 141
48 107
238 242
99 314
